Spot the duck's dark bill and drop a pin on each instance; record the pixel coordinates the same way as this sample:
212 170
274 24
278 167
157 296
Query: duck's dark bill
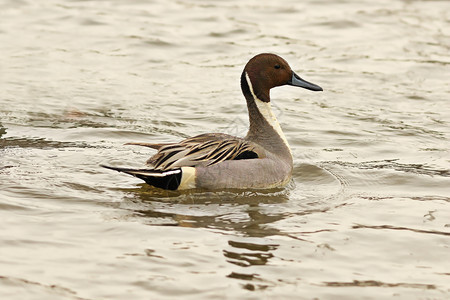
297 81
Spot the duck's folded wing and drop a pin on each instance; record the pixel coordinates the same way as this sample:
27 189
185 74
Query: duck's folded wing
206 150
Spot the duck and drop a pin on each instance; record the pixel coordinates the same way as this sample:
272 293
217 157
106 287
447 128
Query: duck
217 161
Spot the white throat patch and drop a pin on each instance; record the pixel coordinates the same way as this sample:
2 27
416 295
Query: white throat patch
266 111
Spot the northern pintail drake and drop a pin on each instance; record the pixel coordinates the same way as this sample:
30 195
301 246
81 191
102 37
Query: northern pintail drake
216 161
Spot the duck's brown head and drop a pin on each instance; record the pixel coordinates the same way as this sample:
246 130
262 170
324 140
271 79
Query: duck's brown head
265 71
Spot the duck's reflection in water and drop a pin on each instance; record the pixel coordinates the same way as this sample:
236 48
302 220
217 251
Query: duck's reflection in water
245 216
231 211
247 252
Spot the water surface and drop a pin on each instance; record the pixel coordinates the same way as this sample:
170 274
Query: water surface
367 214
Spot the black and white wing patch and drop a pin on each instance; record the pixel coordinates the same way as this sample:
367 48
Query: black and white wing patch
169 180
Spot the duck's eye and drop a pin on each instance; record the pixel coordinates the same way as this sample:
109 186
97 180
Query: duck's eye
277 66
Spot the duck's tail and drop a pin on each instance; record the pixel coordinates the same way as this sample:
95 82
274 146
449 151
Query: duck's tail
168 180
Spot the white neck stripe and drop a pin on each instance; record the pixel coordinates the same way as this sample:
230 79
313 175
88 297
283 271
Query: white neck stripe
266 111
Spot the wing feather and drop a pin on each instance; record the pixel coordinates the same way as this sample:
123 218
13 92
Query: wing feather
205 149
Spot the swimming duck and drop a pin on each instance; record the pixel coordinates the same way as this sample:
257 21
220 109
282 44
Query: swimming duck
260 160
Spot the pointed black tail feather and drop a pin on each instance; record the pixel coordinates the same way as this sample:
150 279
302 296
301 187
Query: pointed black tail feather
168 180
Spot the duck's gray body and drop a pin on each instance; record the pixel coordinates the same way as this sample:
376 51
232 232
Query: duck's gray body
270 172
217 161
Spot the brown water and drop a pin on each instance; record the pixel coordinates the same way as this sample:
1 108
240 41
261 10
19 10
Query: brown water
367 215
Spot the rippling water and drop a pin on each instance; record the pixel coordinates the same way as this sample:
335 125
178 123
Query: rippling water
367 214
